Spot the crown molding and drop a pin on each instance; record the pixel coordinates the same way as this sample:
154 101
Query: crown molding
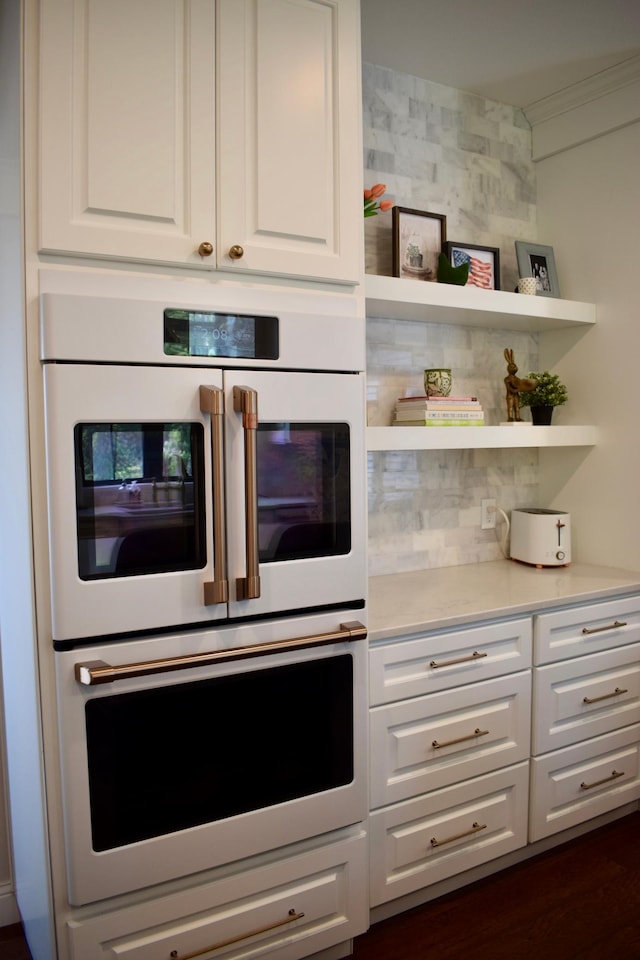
578 94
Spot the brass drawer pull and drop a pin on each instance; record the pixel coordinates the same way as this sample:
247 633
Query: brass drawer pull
458 836
470 736
605 696
609 626
598 783
291 916
447 663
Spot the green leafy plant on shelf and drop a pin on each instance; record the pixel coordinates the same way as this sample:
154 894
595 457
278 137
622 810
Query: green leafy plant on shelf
549 391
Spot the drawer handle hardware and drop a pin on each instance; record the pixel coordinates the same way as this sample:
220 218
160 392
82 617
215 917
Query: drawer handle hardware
291 916
205 249
97 671
470 736
598 783
609 626
458 836
605 696
447 663
236 252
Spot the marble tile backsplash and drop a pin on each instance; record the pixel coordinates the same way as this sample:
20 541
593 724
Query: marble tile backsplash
444 151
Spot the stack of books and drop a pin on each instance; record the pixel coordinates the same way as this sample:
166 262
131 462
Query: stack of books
438 412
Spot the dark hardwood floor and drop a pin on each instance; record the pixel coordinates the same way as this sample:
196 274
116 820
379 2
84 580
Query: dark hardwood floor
580 901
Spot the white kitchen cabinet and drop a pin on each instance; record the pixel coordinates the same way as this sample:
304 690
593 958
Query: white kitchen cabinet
589 628
204 135
586 713
577 783
447 831
437 661
430 742
577 699
450 740
289 909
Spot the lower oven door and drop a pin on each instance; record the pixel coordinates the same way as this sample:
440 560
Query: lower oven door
179 756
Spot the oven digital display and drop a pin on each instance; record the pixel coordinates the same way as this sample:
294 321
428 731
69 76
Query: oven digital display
191 333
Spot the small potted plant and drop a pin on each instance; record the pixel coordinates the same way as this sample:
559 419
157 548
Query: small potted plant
548 393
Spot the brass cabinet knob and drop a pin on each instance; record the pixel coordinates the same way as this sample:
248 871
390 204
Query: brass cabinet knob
205 249
236 252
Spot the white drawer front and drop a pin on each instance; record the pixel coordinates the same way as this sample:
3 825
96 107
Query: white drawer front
325 889
575 784
411 668
436 836
586 629
586 697
423 744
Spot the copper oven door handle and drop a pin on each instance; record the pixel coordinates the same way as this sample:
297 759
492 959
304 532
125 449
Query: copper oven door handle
245 401
97 671
216 590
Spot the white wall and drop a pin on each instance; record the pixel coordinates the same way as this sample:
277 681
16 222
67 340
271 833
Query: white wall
589 211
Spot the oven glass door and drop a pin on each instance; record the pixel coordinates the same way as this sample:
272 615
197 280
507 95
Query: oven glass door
181 496
310 497
172 773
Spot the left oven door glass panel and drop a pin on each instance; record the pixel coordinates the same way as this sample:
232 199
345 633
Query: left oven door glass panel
130 498
139 498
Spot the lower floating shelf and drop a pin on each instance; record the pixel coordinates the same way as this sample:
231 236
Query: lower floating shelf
465 438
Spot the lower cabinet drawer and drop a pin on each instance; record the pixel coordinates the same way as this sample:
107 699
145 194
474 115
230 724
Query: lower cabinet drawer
281 911
585 697
430 742
572 785
416 666
589 628
447 831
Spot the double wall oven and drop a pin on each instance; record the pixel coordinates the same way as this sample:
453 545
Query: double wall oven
206 483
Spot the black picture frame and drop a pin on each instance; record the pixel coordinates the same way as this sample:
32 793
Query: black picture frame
426 232
479 257
537 260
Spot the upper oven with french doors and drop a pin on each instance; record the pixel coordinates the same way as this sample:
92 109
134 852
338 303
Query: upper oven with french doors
205 459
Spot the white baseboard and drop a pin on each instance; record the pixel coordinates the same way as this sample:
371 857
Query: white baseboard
8 907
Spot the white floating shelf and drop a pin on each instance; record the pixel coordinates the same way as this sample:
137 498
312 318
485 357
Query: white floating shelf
465 438
398 299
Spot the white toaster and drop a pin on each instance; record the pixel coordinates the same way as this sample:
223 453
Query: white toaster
541 537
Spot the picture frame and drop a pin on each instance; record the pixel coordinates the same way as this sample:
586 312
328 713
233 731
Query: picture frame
418 238
537 260
484 263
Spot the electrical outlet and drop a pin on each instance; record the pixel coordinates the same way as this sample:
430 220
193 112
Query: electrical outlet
488 514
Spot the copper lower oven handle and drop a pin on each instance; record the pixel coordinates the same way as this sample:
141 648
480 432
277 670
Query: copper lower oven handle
291 916
245 401
97 671
216 590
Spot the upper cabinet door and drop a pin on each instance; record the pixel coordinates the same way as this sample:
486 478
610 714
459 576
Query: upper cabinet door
127 151
289 138
128 105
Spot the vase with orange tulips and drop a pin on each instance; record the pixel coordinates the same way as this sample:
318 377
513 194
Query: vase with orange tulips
372 201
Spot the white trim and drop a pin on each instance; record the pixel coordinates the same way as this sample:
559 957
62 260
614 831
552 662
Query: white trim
8 907
598 105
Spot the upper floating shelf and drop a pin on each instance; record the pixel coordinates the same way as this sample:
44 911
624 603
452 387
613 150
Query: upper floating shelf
398 299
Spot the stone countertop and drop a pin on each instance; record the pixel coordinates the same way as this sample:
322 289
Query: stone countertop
424 600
